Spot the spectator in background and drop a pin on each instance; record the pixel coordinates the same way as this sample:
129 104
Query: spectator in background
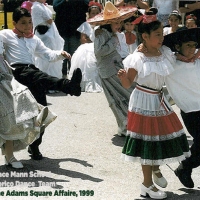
191 21
174 21
190 7
143 4
13 4
69 16
164 9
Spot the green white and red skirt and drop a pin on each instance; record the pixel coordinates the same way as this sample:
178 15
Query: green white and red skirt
155 136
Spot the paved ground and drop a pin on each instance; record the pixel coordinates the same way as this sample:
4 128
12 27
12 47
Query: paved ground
82 155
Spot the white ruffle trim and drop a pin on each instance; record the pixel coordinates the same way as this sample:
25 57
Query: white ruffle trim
155 162
161 65
87 29
155 138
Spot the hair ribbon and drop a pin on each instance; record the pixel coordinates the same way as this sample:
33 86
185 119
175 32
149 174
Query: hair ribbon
95 4
146 19
191 17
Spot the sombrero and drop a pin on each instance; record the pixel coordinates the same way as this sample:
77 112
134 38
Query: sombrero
183 34
112 14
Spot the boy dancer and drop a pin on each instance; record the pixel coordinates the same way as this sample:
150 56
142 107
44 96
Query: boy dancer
183 86
20 48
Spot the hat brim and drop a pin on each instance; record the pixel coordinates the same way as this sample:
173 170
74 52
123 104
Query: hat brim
125 13
180 36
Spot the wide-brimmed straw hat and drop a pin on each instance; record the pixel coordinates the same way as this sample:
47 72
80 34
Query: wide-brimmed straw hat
183 34
112 14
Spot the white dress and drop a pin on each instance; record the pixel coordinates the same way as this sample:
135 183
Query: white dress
18 110
40 14
87 29
155 136
85 59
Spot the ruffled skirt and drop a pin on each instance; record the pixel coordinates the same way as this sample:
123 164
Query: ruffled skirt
85 59
155 136
18 111
118 99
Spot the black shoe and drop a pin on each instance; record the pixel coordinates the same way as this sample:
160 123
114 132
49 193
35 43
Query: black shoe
184 176
75 82
76 76
35 153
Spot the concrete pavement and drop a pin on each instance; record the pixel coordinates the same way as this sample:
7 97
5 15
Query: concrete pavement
82 158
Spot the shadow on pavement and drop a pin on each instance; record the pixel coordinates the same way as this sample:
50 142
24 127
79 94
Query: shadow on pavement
190 194
36 173
118 140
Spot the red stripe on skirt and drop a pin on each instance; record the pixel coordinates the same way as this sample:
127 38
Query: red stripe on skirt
153 125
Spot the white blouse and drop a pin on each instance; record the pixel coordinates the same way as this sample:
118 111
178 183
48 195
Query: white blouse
183 85
151 70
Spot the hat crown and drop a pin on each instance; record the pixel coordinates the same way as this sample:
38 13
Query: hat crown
110 11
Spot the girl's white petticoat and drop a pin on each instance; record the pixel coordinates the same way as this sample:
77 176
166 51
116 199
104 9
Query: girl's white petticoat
18 111
85 59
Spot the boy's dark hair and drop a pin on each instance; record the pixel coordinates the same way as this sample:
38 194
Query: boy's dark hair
107 27
149 27
19 13
186 37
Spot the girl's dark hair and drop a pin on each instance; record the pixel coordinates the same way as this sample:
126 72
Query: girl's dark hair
107 27
148 27
130 19
175 13
19 13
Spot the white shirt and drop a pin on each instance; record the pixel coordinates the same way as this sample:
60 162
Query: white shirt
132 47
167 30
122 47
183 85
23 50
